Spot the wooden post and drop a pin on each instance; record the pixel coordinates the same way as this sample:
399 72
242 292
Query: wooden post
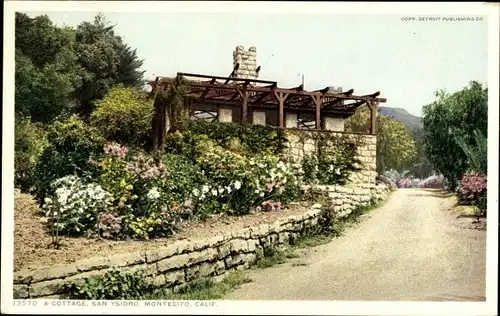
373 105
317 100
281 113
244 107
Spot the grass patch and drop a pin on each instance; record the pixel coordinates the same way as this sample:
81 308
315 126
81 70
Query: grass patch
312 241
299 264
272 257
203 289
465 210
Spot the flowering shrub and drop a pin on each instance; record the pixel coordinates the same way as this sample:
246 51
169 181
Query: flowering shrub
75 206
70 144
405 183
110 225
271 206
434 181
238 183
157 224
394 175
472 189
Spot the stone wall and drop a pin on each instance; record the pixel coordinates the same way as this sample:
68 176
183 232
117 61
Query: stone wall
172 266
302 143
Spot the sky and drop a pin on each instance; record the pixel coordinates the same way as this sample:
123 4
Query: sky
407 61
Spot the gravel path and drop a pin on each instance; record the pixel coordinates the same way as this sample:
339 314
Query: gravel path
412 248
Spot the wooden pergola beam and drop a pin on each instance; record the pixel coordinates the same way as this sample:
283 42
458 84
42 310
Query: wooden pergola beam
290 91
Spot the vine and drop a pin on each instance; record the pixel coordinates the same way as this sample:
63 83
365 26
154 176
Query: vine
332 161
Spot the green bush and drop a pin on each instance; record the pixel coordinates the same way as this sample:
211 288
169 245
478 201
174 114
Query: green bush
71 143
253 139
332 162
30 141
181 178
124 116
114 285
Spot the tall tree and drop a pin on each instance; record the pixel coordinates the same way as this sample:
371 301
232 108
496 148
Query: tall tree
129 72
46 70
459 113
395 147
106 60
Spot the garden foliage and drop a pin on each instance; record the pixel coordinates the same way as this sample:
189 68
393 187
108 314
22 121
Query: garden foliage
332 162
395 146
450 122
473 190
124 115
70 144
113 285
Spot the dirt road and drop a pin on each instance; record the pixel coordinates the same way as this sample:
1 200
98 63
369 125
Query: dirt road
412 248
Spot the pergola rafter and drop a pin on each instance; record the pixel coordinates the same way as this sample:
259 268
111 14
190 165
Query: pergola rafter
207 93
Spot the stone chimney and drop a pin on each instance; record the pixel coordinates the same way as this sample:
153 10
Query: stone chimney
247 61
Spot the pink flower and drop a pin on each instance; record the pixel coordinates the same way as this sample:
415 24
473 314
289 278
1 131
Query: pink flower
115 150
270 187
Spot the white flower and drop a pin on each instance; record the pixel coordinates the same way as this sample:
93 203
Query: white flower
337 171
205 189
237 185
221 190
281 165
228 189
257 191
262 194
214 192
48 200
284 180
330 168
202 197
196 192
153 194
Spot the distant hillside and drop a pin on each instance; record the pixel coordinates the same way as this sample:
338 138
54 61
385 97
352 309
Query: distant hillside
409 120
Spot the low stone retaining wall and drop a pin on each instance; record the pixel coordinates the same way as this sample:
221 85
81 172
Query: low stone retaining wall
183 261
347 199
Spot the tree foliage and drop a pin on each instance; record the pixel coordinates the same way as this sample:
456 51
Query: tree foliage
106 61
395 146
46 70
62 69
452 115
422 168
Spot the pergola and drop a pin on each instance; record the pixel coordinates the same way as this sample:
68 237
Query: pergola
210 93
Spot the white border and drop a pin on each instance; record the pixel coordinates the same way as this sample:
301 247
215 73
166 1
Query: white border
262 307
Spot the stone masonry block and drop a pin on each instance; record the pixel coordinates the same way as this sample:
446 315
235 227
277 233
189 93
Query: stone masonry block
93 263
47 288
175 277
175 262
126 259
54 272
20 291
162 253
